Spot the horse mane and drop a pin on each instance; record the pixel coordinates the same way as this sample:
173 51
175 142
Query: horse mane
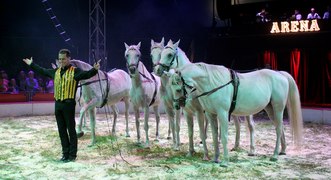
215 73
80 64
142 69
180 52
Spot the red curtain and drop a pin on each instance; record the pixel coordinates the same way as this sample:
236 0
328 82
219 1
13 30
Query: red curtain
328 69
295 64
299 71
270 60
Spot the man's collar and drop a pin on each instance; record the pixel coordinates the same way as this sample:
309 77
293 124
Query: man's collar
66 67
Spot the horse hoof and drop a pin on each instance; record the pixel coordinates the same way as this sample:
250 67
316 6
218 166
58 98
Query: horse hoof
168 138
223 164
251 154
156 140
282 153
188 155
273 159
128 135
206 158
91 145
80 134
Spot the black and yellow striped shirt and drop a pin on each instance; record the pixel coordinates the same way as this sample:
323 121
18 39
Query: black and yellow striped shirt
65 79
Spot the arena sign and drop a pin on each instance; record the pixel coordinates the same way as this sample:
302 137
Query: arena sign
295 26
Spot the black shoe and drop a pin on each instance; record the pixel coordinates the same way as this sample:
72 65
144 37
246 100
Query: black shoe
80 134
64 158
70 159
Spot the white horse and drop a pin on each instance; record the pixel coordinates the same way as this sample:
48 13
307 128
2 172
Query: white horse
104 88
258 90
145 90
167 96
194 108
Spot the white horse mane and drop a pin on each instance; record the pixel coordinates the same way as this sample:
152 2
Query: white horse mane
81 64
142 69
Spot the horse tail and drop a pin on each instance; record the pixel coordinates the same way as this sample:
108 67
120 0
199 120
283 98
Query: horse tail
294 109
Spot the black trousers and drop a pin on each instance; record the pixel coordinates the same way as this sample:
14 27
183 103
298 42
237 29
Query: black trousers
65 118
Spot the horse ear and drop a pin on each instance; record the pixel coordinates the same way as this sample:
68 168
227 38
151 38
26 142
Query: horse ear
54 66
57 63
176 44
138 45
170 43
152 42
162 42
126 46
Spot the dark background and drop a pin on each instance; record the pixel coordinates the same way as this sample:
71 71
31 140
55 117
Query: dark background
26 29
233 38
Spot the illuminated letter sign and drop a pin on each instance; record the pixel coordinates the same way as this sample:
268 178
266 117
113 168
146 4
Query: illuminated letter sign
295 26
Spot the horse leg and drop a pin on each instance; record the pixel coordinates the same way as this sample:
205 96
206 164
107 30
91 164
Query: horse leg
212 118
127 106
223 126
115 111
146 127
80 133
92 124
236 120
189 121
136 114
270 113
202 130
171 117
157 118
177 128
283 143
250 124
85 110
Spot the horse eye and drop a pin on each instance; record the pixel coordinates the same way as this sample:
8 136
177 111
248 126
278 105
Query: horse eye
169 55
178 90
126 55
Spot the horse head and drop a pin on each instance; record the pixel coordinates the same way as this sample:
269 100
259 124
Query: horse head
156 49
168 56
132 56
177 87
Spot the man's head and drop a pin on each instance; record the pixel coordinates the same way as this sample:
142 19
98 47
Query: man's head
64 58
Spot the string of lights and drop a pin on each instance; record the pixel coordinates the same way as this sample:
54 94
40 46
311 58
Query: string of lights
57 23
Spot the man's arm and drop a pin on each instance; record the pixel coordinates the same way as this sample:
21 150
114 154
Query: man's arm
80 74
46 72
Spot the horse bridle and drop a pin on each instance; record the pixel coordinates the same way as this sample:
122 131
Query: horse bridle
234 81
182 100
167 67
143 75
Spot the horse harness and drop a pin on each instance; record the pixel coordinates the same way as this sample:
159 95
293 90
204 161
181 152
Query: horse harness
143 75
167 67
104 96
234 81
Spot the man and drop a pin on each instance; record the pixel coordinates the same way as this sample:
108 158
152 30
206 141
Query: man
313 14
66 79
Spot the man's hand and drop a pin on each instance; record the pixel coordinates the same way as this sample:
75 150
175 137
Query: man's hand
97 65
28 61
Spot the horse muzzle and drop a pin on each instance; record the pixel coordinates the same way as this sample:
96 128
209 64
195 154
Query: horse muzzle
132 69
181 102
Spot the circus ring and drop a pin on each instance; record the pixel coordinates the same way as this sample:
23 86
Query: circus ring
30 148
